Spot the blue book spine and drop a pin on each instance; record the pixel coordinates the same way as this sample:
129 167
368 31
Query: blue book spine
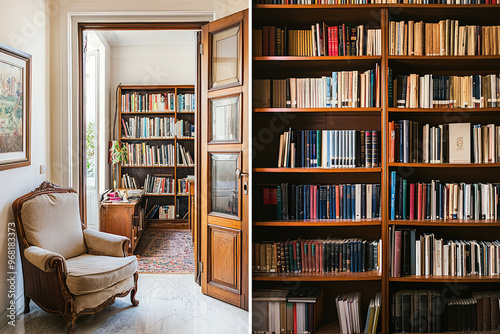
334 90
333 211
344 202
393 195
328 155
353 256
353 201
348 207
328 92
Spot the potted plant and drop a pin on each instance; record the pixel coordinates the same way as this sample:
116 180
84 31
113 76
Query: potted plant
118 155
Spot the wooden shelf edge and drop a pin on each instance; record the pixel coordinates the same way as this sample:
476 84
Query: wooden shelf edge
444 58
320 222
444 165
377 6
438 279
317 170
319 110
443 110
317 58
455 223
333 277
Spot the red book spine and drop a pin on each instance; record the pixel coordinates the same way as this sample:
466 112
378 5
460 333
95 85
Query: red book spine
412 200
294 250
335 41
315 202
266 196
330 44
265 41
344 40
319 251
272 41
397 254
310 256
337 202
274 196
304 257
419 205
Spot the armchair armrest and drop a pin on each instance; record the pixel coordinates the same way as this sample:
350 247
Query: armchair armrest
107 244
43 259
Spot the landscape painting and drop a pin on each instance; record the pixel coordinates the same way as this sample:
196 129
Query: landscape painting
14 108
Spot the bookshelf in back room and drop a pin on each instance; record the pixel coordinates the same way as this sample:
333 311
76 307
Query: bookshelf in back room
157 127
274 173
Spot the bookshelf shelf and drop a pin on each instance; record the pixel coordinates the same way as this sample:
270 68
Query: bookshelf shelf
428 165
316 170
450 223
443 110
303 277
318 58
146 113
339 111
146 139
444 279
159 195
147 166
320 222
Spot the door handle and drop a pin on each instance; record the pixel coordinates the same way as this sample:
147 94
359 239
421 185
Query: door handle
239 174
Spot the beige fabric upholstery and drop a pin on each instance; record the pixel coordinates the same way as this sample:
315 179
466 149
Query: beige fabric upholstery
100 243
41 258
92 300
90 273
52 222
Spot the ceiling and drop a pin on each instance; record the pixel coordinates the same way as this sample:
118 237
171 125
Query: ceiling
149 37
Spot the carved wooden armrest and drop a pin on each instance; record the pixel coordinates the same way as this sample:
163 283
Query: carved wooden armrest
45 260
107 244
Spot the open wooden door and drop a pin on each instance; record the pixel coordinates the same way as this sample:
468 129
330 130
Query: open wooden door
225 159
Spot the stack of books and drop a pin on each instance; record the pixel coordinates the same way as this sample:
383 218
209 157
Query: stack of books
329 149
345 89
424 255
142 154
445 38
437 200
297 202
320 40
350 317
318 256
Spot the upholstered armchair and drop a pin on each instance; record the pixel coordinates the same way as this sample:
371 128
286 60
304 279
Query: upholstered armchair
68 269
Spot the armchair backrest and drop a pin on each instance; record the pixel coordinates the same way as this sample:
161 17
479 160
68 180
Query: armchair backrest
49 218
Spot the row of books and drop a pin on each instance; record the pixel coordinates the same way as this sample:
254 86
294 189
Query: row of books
371 2
149 127
183 186
186 102
444 143
286 310
346 89
446 38
341 201
146 102
184 129
159 184
443 201
425 255
142 154
320 40
318 256
350 316
329 148
427 311
443 91
129 182
161 212
184 157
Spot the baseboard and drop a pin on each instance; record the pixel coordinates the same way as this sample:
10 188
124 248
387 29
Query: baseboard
19 307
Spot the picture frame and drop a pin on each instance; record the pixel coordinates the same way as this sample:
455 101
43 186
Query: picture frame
15 108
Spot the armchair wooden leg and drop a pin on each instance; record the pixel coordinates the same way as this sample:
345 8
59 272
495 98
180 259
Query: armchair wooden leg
70 323
134 301
26 304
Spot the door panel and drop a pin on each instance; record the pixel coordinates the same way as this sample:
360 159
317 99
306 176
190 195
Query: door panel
224 159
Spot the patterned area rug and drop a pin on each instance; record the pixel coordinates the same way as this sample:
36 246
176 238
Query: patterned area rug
166 251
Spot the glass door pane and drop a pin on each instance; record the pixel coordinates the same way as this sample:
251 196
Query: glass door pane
224 188
226 58
225 119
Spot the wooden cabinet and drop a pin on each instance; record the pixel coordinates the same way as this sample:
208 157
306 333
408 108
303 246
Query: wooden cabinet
126 219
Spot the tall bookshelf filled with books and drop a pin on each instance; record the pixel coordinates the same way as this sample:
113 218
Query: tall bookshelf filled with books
376 165
158 131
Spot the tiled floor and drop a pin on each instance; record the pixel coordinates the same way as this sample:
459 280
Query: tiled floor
169 303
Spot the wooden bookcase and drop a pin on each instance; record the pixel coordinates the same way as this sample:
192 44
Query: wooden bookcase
177 170
278 120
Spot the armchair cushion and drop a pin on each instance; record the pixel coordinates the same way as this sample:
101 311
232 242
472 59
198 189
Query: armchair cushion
101 243
91 273
42 258
52 222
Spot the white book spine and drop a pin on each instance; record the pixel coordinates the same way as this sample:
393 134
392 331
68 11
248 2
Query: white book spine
418 258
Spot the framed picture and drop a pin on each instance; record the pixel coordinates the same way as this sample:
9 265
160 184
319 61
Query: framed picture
15 108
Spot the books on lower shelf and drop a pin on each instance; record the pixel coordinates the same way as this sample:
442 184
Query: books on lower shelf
149 127
345 89
183 185
425 255
319 40
427 311
350 317
437 200
129 182
161 212
443 143
186 102
147 102
352 255
184 157
142 154
297 202
329 148
444 91
184 129
444 38
159 184
287 311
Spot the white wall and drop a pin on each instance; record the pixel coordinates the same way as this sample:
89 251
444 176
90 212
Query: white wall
24 25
